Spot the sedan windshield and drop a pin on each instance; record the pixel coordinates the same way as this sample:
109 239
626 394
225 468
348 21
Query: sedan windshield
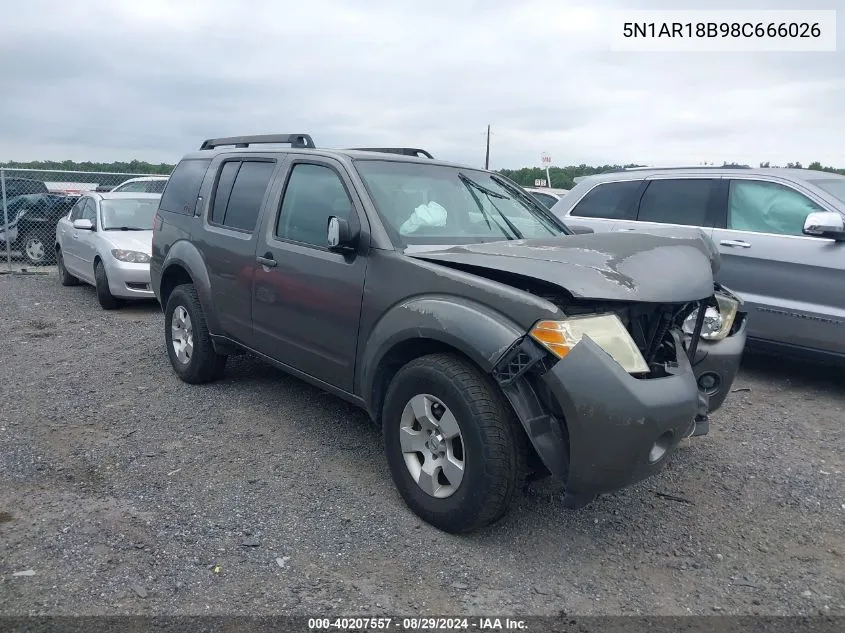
834 186
435 204
129 214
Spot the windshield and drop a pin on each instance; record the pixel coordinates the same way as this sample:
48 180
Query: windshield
129 214
434 204
834 186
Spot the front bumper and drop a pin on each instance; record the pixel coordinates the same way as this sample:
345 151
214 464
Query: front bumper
596 427
129 281
717 363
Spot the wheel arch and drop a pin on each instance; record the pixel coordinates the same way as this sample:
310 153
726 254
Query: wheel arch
399 355
184 264
423 325
174 275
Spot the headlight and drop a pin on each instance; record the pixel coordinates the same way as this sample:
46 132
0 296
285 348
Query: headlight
606 331
718 321
134 257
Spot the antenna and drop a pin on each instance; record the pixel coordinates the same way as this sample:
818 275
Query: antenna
487 156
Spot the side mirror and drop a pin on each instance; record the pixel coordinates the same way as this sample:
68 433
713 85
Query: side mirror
83 225
339 235
580 230
825 224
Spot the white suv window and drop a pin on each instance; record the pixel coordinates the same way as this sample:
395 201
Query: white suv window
610 200
677 201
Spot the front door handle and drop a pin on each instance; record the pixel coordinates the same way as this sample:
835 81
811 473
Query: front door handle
739 243
267 260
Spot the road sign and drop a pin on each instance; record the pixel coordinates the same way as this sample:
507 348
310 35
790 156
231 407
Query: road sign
545 159
539 182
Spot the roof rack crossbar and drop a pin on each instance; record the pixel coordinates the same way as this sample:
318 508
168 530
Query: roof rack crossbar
295 140
405 151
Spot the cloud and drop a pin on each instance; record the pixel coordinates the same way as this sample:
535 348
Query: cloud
119 79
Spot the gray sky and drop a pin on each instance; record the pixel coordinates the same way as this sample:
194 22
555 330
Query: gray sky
116 80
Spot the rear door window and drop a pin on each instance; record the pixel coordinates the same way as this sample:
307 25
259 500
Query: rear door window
609 200
183 187
240 193
682 201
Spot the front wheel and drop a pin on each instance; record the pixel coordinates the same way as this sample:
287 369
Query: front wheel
65 277
189 345
455 451
107 300
34 249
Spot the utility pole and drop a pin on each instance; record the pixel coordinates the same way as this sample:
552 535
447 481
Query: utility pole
487 156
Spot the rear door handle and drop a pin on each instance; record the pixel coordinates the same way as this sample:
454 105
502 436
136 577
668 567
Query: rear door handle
267 260
739 243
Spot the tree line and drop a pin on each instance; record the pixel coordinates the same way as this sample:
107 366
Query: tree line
561 177
131 167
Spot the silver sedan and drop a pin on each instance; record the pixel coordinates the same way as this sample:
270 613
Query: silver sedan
106 241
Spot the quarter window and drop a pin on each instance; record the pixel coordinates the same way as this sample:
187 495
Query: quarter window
611 201
313 194
767 207
183 187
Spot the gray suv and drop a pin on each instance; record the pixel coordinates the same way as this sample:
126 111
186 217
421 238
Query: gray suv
490 343
780 232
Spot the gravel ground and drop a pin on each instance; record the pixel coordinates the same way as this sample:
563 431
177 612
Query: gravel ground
124 490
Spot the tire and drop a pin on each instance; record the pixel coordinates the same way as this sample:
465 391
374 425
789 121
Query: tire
34 248
65 277
199 362
493 447
107 300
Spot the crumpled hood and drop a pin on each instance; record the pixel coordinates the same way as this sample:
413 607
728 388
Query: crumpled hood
141 241
623 266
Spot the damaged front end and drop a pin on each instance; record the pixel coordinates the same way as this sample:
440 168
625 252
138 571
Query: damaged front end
606 393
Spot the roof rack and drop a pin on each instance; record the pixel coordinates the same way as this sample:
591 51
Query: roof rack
295 140
680 167
405 151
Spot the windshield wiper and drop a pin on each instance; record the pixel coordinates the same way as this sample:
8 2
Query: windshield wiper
490 194
530 199
124 228
469 181
516 191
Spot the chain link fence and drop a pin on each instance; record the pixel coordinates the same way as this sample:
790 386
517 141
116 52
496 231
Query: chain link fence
33 201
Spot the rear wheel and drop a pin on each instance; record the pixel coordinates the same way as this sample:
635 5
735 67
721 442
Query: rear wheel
189 345
65 277
107 300
454 448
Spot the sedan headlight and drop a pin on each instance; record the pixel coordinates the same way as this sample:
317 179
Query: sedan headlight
606 331
134 257
718 320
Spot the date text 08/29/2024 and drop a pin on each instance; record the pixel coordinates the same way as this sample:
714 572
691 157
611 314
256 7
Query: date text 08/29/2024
418 624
